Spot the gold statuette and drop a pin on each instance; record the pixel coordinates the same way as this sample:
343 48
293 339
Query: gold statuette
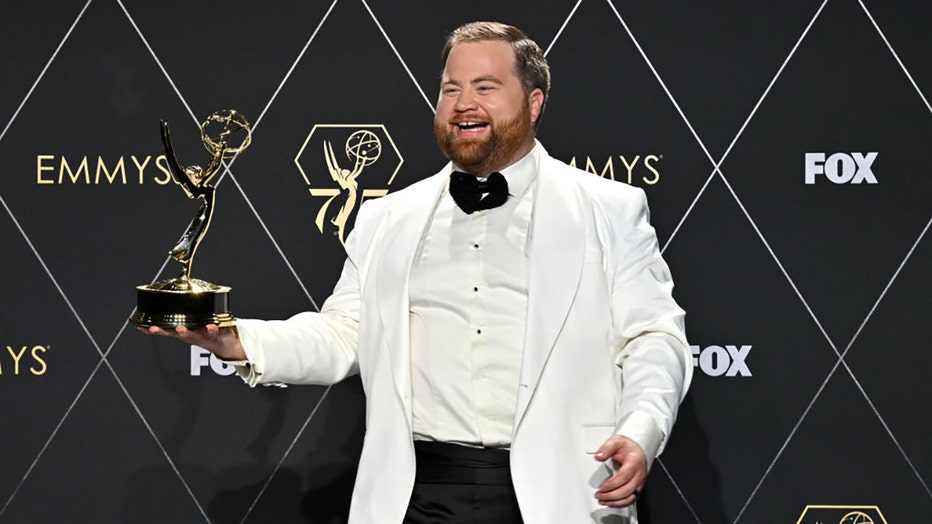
186 301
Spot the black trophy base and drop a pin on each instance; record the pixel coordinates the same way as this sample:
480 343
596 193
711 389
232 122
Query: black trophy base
184 302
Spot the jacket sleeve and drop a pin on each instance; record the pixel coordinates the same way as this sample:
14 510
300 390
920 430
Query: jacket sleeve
649 334
310 347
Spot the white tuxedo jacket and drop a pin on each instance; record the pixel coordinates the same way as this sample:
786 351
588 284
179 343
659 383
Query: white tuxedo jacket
604 350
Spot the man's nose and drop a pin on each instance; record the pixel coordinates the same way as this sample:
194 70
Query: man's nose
465 101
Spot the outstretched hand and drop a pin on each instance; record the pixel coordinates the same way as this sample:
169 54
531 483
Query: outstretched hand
223 342
623 488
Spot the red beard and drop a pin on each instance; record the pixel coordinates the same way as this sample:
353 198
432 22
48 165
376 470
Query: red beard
499 149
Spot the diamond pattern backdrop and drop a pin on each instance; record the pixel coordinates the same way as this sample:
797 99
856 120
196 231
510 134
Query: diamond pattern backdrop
781 145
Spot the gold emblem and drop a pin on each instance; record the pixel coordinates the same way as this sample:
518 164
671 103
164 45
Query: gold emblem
856 517
816 514
346 164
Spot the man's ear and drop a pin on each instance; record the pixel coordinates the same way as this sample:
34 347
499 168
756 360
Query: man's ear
536 100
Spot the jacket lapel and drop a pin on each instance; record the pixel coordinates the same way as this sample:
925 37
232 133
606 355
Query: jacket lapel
555 267
404 227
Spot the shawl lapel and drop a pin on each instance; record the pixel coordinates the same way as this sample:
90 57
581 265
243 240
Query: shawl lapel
555 267
405 222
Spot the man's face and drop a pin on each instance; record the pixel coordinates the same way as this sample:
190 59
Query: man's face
485 120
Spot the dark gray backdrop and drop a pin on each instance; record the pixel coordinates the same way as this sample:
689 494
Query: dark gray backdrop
807 302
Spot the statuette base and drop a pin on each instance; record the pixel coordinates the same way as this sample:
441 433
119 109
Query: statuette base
184 302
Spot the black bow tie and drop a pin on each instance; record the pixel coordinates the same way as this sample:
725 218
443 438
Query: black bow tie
472 194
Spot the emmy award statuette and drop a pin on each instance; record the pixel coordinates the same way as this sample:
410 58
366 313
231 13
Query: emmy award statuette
186 301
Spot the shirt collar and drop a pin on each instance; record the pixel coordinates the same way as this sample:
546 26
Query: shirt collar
522 173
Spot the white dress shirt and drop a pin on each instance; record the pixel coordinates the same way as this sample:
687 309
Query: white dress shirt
468 304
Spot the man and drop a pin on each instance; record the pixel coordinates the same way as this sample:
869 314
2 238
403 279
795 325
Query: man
520 363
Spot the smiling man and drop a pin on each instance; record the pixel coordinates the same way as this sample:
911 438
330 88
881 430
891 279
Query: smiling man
486 115
511 319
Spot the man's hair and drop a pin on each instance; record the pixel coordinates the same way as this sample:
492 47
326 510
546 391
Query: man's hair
530 63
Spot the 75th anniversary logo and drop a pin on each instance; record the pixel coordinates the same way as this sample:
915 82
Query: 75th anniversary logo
344 164
816 514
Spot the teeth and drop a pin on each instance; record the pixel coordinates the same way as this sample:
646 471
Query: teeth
467 125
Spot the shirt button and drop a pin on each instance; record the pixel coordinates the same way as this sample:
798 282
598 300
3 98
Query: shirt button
475 246
475 289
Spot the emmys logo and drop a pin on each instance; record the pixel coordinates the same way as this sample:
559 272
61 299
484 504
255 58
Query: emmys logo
716 361
201 358
841 168
637 170
343 165
58 170
814 514
24 360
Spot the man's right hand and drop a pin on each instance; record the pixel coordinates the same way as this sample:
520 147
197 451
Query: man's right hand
223 342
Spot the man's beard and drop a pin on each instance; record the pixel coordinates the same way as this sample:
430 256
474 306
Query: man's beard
495 151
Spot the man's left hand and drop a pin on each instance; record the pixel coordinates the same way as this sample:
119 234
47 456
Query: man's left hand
623 488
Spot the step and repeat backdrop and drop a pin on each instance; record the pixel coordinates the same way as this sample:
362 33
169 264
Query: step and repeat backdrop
782 146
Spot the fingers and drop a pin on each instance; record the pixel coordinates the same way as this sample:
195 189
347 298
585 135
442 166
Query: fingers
623 488
154 330
198 336
621 450
610 448
223 343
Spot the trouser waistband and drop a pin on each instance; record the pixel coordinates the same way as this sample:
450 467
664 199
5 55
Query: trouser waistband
444 463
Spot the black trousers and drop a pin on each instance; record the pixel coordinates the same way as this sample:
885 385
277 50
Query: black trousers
462 485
